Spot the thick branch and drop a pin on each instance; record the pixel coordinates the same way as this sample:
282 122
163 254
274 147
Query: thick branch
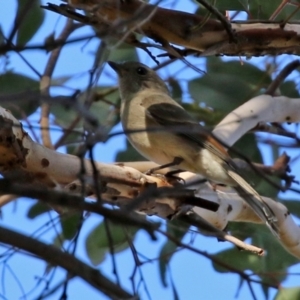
189 30
55 256
19 155
263 108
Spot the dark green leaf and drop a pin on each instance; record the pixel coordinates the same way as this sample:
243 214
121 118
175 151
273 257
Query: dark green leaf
227 85
203 114
289 89
97 242
263 10
247 146
104 108
1 36
239 5
124 53
70 224
37 209
260 9
175 293
27 102
176 90
293 206
268 264
288 293
58 241
31 17
129 154
60 81
177 229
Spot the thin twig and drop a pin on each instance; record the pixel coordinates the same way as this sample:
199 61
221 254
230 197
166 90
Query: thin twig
77 203
278 9
216 260
46 82
286 71
221 18
55 256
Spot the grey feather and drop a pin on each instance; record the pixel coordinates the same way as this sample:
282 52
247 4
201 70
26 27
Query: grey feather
255 201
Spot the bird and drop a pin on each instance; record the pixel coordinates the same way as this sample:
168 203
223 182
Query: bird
161 130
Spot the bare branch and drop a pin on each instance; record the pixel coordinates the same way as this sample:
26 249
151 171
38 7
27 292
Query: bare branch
286 71
56 257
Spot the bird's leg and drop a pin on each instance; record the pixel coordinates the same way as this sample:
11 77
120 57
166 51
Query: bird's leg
176 161
171 175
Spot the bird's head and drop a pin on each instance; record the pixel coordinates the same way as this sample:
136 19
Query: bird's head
135 77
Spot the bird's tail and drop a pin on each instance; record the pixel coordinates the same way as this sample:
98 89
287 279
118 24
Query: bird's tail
255 201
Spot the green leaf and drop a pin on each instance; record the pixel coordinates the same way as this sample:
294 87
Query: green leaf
176 90
31 17
288 293
260 9
105 107
129 154
203 114
247 145
70 223
2 38
97 242
175 293
263 10
269 267
240 5
26 90
293 206
123 53
59 81
227 85
58 240
177 229
37 209
289 89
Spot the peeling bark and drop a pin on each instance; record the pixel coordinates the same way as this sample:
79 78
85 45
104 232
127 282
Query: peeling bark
207 37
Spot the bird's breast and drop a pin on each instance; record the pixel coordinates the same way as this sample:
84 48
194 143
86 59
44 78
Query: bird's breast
149 138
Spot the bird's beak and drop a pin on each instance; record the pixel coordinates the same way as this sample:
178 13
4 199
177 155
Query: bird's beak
117 67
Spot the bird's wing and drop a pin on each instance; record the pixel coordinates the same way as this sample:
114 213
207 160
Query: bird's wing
255 201
175 118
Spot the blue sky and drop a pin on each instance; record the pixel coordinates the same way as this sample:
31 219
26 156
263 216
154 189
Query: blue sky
193 275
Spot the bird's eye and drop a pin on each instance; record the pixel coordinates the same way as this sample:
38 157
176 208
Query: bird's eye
141 71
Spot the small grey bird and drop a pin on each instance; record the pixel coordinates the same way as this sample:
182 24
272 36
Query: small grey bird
163 132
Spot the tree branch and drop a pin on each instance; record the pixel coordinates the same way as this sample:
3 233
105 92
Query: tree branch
55 256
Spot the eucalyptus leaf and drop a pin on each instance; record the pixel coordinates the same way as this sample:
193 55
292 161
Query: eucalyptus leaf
129 154
270 263
176 90
227 85
31 17
292 293
70 224
293 206
176 229
25 91
289 89
123 53
97 242
37 209
104 107
239 5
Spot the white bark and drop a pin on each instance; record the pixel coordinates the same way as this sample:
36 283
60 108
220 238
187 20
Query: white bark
240 211
128 180
263 108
